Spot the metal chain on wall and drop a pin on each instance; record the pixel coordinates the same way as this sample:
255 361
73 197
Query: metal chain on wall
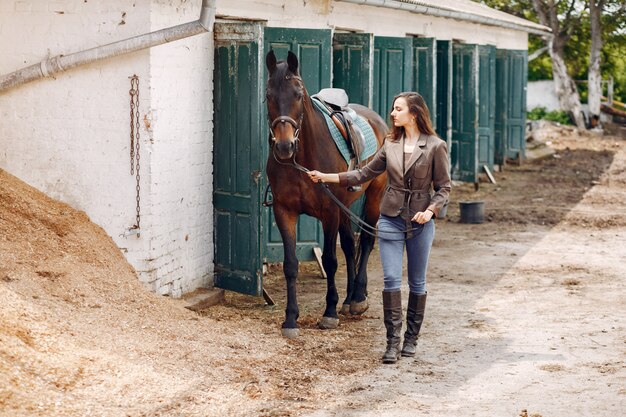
134 141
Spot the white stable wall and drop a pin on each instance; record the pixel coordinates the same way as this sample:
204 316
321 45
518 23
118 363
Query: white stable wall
69 136
542 94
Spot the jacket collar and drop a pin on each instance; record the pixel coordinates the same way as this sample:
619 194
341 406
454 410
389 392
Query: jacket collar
417 152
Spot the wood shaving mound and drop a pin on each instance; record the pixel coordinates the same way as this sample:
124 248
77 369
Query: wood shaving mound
79 334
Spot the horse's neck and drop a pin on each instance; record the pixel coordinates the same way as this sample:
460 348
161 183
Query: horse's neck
313 133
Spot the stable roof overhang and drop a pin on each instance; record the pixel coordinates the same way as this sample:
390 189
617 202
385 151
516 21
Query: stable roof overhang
462 10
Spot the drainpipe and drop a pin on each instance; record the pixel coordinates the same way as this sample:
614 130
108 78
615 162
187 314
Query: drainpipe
416 6
54 65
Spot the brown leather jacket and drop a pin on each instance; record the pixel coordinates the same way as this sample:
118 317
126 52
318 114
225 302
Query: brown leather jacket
426 170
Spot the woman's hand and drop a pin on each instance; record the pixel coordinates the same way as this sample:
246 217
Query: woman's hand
422 217
317 176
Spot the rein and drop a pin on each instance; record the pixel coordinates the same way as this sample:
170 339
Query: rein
356 220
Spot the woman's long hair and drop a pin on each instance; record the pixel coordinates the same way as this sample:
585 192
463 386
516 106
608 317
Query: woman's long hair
418 108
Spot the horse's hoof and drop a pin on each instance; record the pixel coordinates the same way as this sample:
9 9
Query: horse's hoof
345 309
290 333
360 307
328 323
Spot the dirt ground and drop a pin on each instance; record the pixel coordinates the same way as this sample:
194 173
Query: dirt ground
526 314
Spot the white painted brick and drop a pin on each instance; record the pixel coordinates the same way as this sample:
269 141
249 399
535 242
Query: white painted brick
69 136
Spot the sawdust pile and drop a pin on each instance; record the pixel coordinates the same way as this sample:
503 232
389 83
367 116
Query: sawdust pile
80 335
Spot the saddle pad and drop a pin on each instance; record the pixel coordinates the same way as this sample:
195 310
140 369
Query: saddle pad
370 138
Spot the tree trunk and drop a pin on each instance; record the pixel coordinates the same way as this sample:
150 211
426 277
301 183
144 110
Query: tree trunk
565 88
594 76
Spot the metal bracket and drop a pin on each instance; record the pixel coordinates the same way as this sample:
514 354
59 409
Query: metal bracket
267 298
318 257
489 174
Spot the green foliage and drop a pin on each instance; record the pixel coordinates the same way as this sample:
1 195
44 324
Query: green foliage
539 68
537 113
577 49
614 62
541 113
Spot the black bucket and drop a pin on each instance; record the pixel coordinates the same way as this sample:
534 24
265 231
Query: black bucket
444 211
472 211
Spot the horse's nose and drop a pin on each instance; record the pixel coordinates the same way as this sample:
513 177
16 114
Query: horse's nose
285 147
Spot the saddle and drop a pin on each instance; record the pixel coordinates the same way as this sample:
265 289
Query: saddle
335 104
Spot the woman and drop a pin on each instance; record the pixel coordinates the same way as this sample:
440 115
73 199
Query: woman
416 161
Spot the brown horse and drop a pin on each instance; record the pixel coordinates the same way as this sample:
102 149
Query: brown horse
299 136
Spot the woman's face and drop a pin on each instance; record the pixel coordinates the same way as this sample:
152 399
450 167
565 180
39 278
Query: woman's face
400 113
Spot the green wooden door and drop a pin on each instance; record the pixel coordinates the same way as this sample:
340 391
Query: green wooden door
313 48
502 105
518 77
425 72
444 92
486 104
393 63
352 69
237 159
464 150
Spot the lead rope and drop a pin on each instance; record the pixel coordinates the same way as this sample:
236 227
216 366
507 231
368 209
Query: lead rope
356 220
134 144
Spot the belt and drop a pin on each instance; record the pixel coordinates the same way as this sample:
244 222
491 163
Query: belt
408 191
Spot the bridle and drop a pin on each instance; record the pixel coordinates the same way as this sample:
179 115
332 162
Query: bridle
296 127
286 119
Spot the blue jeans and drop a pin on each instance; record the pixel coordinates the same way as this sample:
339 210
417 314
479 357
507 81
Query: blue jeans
392 244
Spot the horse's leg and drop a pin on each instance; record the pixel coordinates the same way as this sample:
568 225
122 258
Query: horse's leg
286 222
359 304
330 223
347 245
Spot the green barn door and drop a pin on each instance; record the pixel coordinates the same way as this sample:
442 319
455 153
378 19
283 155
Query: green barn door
444 92
352 66
352 71
502 105
313 48
518 76
393 63
464 152
237 158
486 104
425 73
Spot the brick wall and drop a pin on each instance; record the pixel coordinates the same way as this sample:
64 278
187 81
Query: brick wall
69 136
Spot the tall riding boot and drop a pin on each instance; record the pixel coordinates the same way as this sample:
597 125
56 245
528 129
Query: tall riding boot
392 309
414 319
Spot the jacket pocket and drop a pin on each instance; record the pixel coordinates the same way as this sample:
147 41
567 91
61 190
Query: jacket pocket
419 204
420 171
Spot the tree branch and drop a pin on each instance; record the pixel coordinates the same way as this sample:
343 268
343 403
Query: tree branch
540 9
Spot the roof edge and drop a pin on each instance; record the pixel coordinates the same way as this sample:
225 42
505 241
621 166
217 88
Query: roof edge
420 7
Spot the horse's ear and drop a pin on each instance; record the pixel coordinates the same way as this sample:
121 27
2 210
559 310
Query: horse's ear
270 61
292 61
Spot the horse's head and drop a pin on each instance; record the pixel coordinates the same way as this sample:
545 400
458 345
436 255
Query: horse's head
285 104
